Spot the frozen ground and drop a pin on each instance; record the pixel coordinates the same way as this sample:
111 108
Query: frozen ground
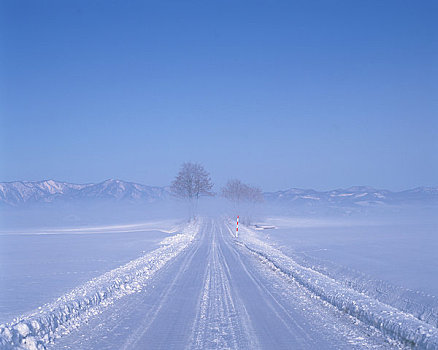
201 288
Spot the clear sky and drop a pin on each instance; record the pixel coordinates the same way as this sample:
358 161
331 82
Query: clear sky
314 94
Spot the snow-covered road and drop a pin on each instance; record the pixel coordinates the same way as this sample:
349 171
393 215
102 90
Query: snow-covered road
218 295
221 293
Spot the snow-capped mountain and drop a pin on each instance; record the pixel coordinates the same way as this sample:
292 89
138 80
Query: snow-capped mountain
117 189
22 192
357 195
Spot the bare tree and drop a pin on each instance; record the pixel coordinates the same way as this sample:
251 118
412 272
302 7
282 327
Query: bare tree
237 191
192 182
254 195
234 191
244 197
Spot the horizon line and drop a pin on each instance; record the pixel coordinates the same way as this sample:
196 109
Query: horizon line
281 190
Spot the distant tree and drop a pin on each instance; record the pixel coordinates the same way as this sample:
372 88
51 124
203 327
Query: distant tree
243 197
235 191
254 195
192 182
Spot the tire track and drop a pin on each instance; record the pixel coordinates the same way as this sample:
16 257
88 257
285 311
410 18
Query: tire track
219 324
277 308
149 318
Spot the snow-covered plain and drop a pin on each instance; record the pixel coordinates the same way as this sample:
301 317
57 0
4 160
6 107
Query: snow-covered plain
36 266
402 314
397 249
36 328
311 283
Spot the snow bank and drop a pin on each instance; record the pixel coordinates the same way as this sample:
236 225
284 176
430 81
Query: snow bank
422 305
39 328
391 321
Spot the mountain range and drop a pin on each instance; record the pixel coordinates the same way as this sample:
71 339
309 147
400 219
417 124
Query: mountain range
354 196
23 192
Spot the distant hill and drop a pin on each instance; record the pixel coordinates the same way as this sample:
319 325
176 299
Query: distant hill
354 196
22 192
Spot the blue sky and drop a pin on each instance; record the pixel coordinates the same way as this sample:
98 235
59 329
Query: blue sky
315 94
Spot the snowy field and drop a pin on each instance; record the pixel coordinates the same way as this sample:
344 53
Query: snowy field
391 258
399 250
37 266
310 283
